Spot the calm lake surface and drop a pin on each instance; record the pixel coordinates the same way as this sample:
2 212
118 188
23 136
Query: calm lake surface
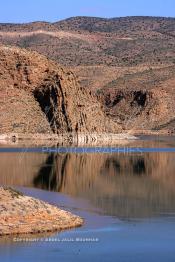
126 196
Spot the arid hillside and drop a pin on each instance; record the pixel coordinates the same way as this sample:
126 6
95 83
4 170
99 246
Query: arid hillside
39 96
126 41
128 62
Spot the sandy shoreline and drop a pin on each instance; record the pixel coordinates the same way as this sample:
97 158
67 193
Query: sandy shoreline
21 214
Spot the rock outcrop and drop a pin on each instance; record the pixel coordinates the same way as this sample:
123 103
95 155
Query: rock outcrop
39 96
140 109
142 101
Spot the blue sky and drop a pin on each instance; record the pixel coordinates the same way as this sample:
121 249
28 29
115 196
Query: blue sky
54 10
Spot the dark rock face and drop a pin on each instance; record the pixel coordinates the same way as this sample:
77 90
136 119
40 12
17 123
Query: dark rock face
140 109
38 96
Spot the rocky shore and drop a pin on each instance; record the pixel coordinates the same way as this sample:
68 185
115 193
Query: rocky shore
66 139
21 214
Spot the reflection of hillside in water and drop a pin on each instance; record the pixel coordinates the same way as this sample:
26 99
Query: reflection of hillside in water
122 185
20 168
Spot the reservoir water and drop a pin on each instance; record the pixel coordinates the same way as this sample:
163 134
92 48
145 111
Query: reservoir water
126 195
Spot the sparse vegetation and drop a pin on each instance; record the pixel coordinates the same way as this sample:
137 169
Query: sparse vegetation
14 193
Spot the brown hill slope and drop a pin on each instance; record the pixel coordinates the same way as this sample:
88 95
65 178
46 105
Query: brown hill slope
117 24
96 41
38 96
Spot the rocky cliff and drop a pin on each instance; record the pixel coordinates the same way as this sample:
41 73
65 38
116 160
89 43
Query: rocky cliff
39 96
143 100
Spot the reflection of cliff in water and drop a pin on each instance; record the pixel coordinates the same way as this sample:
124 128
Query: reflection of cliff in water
51 175
122 185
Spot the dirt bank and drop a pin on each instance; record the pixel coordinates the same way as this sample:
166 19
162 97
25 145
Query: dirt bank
21 214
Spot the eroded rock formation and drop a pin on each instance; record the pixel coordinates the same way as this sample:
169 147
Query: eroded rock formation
140 109
39 96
